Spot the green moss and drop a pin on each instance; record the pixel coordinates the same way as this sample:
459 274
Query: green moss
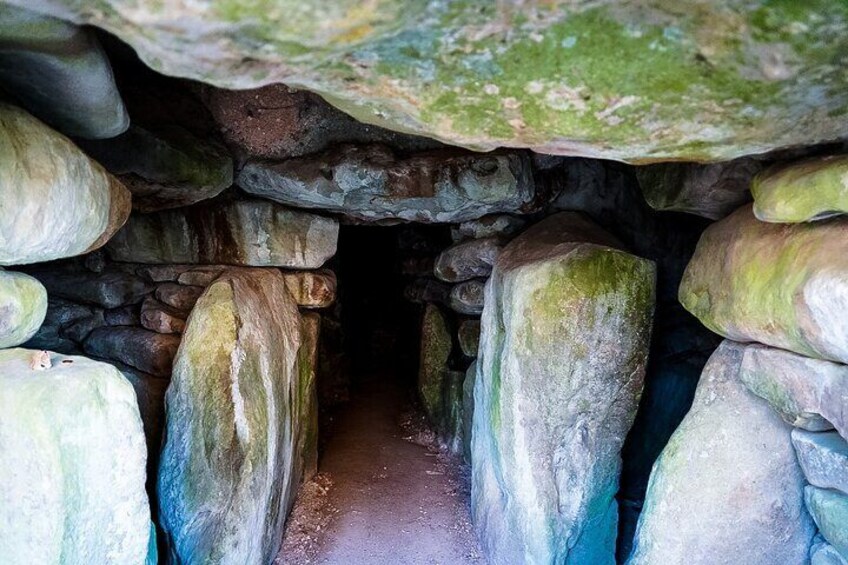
802 191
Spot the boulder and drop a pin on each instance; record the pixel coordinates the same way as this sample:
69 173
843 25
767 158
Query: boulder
467 297
61 314
110 289
807 393
496 225
436 345
165 168
712 191
147 351
804 191
23 306
823 458
65 203
829 509
123 316
372 183
80 329
699 82
244 232
467 260
825 554
727 487
201 276
161 318
231 464
59 72
777 284
72 463
312 289
563 347
179 296
469 337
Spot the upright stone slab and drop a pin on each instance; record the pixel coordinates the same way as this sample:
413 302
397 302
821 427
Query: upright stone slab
230 465
55 202
244 232
23 306
812 189
307 408
564 343
72 464
727 488
778 284
435 349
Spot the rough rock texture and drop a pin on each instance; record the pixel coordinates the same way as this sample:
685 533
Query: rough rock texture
161 318
829 509
307 410
564 343
147 351
435 349
690 81
451 425
372 183
230 464
59 72
23 306
166 168
467 297
807 393
823 458
468 410
467 260
469 337
782 285
498 225
244 232
727 488
54 201
277 122
109 289
427 290
712 191
800 192
825 554
72 459
312 289
179 296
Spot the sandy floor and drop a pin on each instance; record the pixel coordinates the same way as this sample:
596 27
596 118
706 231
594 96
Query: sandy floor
381 498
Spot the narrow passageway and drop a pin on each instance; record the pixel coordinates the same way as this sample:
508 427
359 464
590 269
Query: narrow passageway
393 501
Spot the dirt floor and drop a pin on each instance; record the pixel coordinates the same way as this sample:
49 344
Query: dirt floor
381 497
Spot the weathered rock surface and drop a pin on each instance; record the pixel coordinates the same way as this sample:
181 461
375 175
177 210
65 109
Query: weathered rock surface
110 289
782 285
147 351
727 487
497 225
451 426
564 343
245 232
179 296
372 183
72 459
23 306
467 297
801 192
123 316
825 554
59 72
823 458
61 314
427 290
166 168
699 82
161 318
436 345
56 202
468 410
307 410
468 336
235 390
712 191
829 509
467 260
312 289
807 393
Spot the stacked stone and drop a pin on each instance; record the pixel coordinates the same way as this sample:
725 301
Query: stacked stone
765 439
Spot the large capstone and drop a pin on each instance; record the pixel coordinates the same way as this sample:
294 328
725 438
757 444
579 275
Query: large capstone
685 80
564 343
800 192
372 183
165 168
727 488
777 284
72 463
59 72
23 306
243 232
232 458
55 202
